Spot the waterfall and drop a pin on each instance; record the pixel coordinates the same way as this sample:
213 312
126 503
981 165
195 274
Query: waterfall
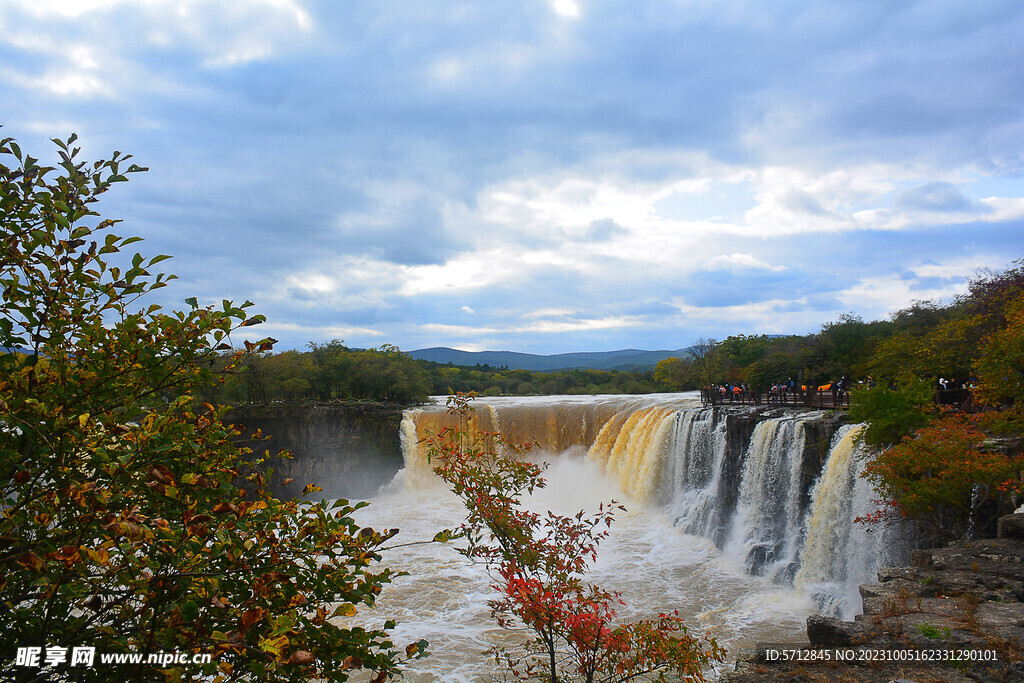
634 451
699 445
748 480
416 472
840 554
710 492
766 530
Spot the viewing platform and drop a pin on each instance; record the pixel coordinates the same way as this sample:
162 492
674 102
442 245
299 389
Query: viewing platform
809 398
961 399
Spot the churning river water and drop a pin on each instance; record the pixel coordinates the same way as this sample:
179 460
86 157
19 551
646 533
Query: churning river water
638 451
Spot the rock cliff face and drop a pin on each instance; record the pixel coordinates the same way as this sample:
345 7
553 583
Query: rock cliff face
968 596
738 427
348 449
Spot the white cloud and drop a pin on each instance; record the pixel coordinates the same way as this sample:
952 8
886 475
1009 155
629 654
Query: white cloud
311 332
550 313
739 262
90 48
537 327
876 297
581 325
772 316
464 272
566 8
69 8
313 283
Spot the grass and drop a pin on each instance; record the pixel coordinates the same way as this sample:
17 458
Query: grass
932 631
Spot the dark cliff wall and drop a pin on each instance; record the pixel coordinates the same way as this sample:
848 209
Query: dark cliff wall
819 434
740 425
348 449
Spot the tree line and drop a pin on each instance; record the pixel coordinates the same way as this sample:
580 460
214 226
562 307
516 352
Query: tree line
332 371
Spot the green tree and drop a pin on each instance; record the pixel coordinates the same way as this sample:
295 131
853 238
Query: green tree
1000 367
675 372
946 349
989 296
386 374
707 362
775 367
892 414
847 342
128 521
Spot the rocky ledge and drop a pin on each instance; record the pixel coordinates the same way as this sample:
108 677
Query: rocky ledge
966 599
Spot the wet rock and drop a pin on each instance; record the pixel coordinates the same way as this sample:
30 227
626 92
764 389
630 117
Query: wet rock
822 630
967 595
897 589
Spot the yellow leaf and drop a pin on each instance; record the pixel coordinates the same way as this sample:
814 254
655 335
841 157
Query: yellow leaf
345 610
83 418
275 645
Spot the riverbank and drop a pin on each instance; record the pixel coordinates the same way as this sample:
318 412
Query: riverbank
962 606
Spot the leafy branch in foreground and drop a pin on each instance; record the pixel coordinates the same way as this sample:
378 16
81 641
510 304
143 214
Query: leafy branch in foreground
538 563
129 521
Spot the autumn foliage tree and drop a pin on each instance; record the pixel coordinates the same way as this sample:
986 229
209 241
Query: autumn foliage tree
1000 367
128 520
937 471
944 480
538 563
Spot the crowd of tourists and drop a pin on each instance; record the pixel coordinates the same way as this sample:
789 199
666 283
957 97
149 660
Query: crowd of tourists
781 392
836 392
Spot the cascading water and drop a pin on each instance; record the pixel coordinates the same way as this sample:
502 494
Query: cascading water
766 530
695 473
634 452
840 554
717 517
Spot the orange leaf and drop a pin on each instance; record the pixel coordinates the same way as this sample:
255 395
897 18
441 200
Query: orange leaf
250 617
32 561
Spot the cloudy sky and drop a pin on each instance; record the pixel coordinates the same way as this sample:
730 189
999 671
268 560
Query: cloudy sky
542 175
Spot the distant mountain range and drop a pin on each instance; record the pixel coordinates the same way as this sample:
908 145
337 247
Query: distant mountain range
625 359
